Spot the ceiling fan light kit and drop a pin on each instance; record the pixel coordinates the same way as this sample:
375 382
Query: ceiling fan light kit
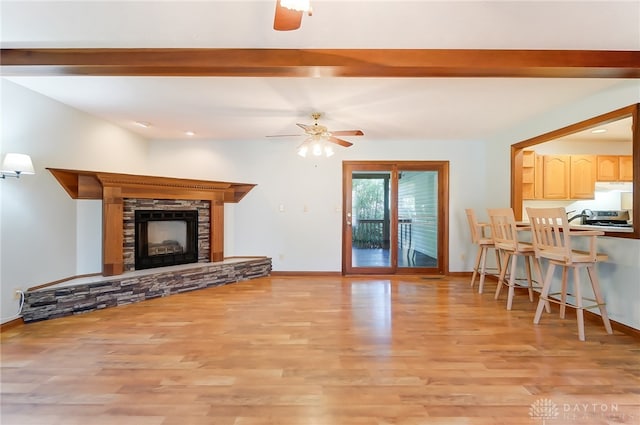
318 146
288 15
319 139
298 5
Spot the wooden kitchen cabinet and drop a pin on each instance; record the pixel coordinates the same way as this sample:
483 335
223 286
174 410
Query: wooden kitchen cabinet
614 168
626 168
582 181
558 176
538 185
555 176
608 168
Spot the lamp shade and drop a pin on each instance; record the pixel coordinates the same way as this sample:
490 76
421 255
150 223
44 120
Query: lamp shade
17 163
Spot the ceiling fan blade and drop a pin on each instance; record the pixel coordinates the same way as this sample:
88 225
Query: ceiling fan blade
348 133
339 141
305 127
286 19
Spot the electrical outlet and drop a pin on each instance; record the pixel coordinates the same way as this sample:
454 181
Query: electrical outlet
17 293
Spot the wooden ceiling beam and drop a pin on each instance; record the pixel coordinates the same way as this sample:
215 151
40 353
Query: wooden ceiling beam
321 62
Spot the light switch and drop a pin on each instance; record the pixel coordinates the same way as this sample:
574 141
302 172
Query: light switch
281 208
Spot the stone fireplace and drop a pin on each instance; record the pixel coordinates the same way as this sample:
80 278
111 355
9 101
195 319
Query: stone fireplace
191 217
122 194
182 220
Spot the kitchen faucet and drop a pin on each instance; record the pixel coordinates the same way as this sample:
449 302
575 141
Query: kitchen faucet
577 216
584 214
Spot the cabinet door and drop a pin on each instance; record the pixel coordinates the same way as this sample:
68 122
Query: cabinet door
583 177
607 168
626 168
555 176
539 182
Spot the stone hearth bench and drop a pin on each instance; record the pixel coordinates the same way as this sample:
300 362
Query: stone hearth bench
90 294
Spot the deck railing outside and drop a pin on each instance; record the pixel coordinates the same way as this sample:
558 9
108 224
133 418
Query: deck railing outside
368 233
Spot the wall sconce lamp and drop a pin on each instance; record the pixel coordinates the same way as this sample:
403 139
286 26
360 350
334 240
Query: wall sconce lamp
16 164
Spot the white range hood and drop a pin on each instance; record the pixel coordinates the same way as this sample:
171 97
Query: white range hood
614 187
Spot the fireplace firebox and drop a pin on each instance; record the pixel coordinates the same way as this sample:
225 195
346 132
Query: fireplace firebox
165 238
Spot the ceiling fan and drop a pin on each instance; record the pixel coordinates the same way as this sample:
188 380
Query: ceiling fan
319 138
288 14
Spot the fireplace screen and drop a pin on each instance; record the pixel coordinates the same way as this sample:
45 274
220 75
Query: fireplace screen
165 238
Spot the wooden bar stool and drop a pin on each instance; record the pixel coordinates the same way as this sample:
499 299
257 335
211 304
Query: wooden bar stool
552 240
480 236
505 237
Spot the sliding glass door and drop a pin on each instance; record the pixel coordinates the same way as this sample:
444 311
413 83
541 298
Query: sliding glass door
394 217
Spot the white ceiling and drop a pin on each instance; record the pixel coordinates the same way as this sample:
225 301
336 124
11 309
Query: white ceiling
237 108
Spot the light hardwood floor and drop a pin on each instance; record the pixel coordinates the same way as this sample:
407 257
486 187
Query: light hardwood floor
320 351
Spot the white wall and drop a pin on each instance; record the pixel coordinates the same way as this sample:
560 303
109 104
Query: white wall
88 236
311 241
39 233
619 276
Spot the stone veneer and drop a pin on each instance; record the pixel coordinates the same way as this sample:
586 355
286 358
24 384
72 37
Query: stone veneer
53 302
129 222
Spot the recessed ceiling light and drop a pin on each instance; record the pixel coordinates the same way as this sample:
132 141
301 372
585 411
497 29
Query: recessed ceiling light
143 124
599 130
189 133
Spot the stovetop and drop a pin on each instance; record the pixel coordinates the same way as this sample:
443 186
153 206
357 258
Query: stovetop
608 224
609 218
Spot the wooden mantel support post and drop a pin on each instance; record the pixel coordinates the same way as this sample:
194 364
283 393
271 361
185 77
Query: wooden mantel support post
112 233
216 237
112 188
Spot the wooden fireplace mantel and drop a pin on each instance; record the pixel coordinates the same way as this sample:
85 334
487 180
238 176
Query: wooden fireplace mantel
112 188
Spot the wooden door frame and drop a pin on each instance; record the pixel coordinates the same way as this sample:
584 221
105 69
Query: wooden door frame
442 167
